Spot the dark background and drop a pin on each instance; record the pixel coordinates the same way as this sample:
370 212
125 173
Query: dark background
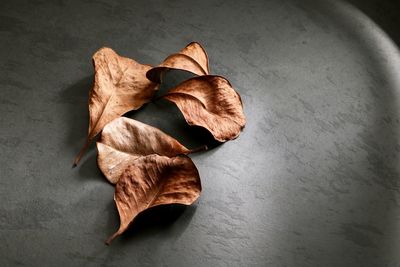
313 180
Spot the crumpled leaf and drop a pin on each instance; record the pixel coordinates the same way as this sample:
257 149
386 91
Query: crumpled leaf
124 140
210 102
152 181
120 85
192 58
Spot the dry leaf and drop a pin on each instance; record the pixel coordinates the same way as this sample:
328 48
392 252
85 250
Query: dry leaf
192 58
210 102
124 140
120 85
152 181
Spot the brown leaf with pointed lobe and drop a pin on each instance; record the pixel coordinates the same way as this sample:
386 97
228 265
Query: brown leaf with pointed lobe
210 102
152 181
124 140
192 58
120 85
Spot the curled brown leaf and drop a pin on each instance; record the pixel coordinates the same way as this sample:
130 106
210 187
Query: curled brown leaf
120 85
210 102
124 140
192 58
152 181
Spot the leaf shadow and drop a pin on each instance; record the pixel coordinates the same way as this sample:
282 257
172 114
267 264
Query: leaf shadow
173 78
88 169
75 100
165 221
167 117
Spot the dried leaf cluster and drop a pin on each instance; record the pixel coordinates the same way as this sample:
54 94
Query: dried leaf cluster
148 167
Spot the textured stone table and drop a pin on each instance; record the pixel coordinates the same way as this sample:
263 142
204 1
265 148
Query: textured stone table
313 180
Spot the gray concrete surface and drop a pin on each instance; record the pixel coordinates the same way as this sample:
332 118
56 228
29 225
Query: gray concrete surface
313 180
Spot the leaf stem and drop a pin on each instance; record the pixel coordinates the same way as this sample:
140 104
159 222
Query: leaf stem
111 238
198 149
81 152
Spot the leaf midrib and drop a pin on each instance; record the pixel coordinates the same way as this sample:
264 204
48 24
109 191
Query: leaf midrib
109 99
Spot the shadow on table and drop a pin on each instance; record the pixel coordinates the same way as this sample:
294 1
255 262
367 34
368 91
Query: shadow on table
383 13
159 219
75 98
162 221
366 173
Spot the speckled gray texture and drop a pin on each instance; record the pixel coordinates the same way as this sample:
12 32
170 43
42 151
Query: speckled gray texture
313 180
